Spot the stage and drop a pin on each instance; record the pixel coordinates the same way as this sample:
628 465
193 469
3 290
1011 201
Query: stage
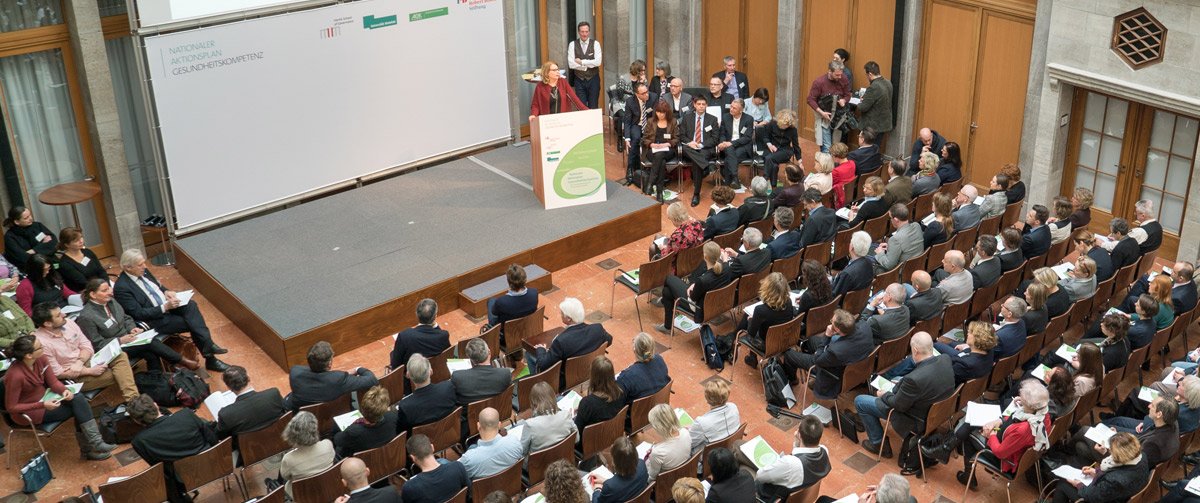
349 268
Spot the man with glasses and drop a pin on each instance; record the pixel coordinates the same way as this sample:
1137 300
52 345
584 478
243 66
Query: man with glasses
680 101
966 213
717 97
638 108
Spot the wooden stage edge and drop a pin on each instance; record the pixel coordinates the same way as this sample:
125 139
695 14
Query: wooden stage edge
376 322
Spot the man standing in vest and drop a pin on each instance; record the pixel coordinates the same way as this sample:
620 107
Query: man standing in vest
583 58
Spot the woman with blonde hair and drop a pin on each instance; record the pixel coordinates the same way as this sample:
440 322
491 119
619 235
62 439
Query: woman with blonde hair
709 276
563 484
688 490
688 232
926 180
783 144
674 449
1085 246
776 308
942 226
548 425
1081 201
553 94
1080 282
721 420
822 176
647 374
1036 317
1058 301
1122 474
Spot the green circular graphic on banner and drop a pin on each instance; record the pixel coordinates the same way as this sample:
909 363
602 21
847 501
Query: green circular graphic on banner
580 173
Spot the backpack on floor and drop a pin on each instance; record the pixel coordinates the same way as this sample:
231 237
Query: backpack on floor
712 354
156 384
775 381
116 427
189 389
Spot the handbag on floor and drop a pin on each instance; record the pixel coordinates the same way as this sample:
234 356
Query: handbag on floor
36 474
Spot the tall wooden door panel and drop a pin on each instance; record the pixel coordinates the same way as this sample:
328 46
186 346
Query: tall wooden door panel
722 19
761 45
946 86
995 138
826 28
875 22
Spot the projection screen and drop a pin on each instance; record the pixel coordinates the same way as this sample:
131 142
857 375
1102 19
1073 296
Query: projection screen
259 111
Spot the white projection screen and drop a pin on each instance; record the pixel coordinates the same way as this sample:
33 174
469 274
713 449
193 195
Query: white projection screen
259 111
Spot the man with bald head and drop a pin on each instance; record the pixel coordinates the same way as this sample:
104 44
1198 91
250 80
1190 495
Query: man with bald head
931 379
958 284
680 101
492 453
927 140
924 302
357 476
887 315
966 214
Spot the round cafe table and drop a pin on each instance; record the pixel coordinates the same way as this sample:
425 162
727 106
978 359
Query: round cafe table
70 193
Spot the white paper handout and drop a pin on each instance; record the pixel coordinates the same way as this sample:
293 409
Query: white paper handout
1100 434
1062 269
882 384
1193 486
1040 372
457 364
106 353
219 400
684 323
843 213
820 412
643 450
601 472
570 401
345 420
760 452
185 296
1066 352
141 339
979 414
1147 394
1068 472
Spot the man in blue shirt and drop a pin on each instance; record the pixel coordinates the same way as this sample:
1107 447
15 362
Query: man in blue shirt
493 453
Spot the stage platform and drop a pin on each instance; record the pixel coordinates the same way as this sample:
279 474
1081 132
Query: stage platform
350 268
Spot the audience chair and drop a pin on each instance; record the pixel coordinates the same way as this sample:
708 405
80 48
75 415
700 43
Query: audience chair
597 437
883 279
748 287
443 433
1136 358
877 227
1012 213
1028 460
821 252
716 304
1146 263
765 225
827 200
578 368
491 337
639 410
806 494
259 445
954 316
460 496
855 301
726 442
525 384
1002 370
817 318
325 412
688 260
941 411
1108 390
951 188
644 496
508 480
208 465
438 371
393 382
891 352
1056 328
990 226
920 206
937 252
320 488
667 478
1084 406
522 328
931 325
1057 251
853 375
539 460
387 459
277 496
841 243
147 485
971 390
801 213
1010 280
651 275
982 299
502 402
916 263
779 339
788 267
731 239
965 239
1033 346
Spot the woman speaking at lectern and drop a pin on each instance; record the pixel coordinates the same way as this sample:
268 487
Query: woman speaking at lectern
553 95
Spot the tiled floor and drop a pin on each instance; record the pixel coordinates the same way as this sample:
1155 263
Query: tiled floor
591 282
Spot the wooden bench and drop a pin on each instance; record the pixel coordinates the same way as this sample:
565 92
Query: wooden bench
474 300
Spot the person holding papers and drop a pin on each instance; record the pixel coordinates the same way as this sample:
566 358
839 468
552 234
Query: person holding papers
872 204
721 420
549 424
33 395
737 133
148 301
493 453
26 237
1011 256
250 410
825 357
966 213
676 445
1115 346
41 284
1122 247
931 380
1120 475
377 426
1186 392
103 320
806 465
660 138
69 353
647 374
629 475
776 308
751 258
1158 433
1183 287
605 397
688 232
1001 442
887 315
1183 490
758 205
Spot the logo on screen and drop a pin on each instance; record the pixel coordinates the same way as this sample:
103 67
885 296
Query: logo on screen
372 22
332 31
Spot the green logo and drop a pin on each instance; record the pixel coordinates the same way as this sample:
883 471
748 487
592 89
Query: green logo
581 171
426 14
372 22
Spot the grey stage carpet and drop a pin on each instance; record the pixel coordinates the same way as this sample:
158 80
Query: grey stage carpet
318 262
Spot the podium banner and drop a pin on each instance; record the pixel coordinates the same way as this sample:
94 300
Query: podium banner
572 157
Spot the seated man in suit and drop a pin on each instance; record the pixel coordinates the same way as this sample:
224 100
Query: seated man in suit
521 300
995 202
103 320
426 338
356 476
725 219
318 383
858 273
1010 336
438 480
680 101
899 187
1148 233
578 338
1123 248
822 223
931 379
428 402
1035 238
754 259
985 267
251 410
958 283
966 213
786 242
716 95
699 134
866 157
1010 256
638 108
735 82
482 380
927 140
886 314
149 302
925 302
168 438
844 342
1183 288
907 242
736 143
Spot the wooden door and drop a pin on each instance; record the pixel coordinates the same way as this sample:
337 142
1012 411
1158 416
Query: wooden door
761 45
742 29
1006 43
721 32
950 48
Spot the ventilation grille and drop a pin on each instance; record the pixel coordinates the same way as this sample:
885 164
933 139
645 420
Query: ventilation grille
1138 38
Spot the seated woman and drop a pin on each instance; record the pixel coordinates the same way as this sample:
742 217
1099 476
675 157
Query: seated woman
629 475
26 237
25 386
1160 290
1141 323
776 308
76 263
103 319
949 168
970 360
647 374
674 449
723 216
1062 391
818 290
822 176
309 455
548 425
871 206
688 232
376 428
1086 368
1058 301
1016 188
1010 254
1003 441
942 226
1081 202
1080 282
843 173
1158 432
730 484
660 137
758 205
637 73
563 484
1085 246
711 275
1120 475
792 194
1036 318
926 180
605 397
1060 223
783 145
721 420
42 284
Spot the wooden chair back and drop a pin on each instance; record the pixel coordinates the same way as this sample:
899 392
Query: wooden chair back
916 263
931 326
841 241
717 302
821 252
990 226
667 478
438 370
726 442
279 495
1058 428
393 382
788 267
147 487
936 253
877 227
1032 265
443 433
578 368
644 496
730 239
1002 369
688 259
783 336
501 402
525 384
600 436
816 317
748 284
639 410
1078 311
539 460
856 300
858 373
1033 346
805 494
1161 339
883 279
1085 405
850 189
951 188
491 337
1124 277
982 299
1056 327
941 411
891 352
965 239
1009 281
206 466
325 411
765 225
1012 213
1146 263
955 315
1145 494
1108 387
1057 251
1136 359
920 206
459 497
258 445
320 488
508 480
653 274
530 325
971 390
387 459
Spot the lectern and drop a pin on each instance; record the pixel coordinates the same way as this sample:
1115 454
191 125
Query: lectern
568 158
